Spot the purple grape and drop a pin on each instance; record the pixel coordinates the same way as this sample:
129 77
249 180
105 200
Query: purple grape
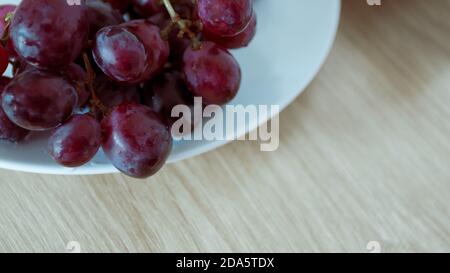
132 52
224 17
8 130
76 141
112 94
79 78
100 15
49 33
120 54
39 100
212 73
240 40
150 35
165 92
136 140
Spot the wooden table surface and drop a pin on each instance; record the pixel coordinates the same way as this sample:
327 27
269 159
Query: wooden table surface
364 156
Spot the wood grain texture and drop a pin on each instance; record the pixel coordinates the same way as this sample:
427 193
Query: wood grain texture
364 155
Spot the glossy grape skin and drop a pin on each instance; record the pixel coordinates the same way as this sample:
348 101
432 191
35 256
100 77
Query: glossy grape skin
136 140
132 52
79 78
240 40
112 94
165 92
120 54
76 141
212 73
100 15
155 46
8 130
39 100
49 33
224 17
147 7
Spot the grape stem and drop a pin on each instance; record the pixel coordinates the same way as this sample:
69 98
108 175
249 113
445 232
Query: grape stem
5 35
183 25
95 101
173 14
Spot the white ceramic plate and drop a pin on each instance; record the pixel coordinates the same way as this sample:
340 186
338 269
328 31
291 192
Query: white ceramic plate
293 40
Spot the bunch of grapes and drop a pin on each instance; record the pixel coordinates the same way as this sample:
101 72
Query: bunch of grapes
106 74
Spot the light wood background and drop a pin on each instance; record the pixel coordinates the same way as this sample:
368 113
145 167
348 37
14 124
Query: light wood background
364 156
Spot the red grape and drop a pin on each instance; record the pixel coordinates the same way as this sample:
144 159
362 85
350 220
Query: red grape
76 141
79 78
136 140
8 130
120 54
224 17
165 92
112 94
212 73
101 15
155 46
39 100
49 33
242 39
132 52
